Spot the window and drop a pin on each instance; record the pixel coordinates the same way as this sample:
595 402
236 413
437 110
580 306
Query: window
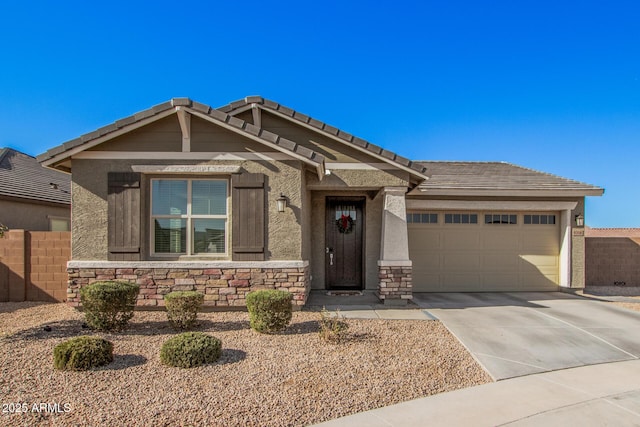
460 218
59 224
500 219
540 219
422 218
189 216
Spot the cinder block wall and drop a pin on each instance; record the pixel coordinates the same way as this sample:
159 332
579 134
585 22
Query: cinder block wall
612 261
33 265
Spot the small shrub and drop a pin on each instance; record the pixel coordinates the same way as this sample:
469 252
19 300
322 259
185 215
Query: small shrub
182 308
82 353
109 305
332 328
190 349
269 310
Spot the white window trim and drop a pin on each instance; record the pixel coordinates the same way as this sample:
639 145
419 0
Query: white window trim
188 217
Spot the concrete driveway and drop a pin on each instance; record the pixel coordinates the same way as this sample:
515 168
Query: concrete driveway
521 333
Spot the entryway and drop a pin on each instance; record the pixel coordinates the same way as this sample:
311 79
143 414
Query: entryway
344 236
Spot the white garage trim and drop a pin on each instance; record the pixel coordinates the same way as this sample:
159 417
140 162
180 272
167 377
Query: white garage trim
565 248
490 205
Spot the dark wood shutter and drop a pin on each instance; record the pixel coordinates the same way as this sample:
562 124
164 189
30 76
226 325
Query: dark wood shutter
124 216
248 216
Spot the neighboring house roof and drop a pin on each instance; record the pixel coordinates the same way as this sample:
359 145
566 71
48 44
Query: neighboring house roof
612 232
241 105
495 178
21 176
57 155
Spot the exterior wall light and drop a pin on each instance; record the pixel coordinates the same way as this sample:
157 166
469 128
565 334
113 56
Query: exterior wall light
282 202
579 220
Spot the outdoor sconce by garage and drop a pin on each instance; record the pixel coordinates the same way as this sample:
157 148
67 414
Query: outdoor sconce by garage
579 220
282 202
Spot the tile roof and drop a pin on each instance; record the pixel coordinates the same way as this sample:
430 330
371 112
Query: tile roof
222 115
344 137
496 176
21 176
612 232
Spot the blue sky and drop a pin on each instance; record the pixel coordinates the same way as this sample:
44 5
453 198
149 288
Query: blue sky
552 86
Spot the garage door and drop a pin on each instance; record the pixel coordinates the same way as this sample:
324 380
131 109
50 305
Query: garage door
484 251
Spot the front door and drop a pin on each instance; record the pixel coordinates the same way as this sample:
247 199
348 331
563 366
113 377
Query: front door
344 231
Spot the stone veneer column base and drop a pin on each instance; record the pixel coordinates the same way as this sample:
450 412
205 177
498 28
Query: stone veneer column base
224 284
394 286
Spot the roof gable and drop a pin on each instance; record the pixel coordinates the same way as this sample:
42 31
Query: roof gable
56 156
21 176
323 128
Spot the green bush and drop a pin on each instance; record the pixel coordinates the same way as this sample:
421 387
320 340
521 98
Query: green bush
269 310
109 305
82 353
182 308
190 349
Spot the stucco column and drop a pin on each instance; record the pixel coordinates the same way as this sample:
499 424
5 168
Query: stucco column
394 266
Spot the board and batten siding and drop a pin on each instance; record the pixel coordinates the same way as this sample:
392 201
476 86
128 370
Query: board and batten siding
124 216
248 230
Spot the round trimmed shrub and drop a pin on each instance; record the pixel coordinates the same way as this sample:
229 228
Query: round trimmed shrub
190 349
109 305
82 353
182 308
269 310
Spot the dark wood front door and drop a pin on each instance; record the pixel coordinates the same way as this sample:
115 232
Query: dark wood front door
344 232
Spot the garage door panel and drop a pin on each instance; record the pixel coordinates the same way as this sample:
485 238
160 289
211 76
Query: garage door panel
484 257
500 262
538 282
539 261
461 262
501 281
425 238
543 242
428 283
460 240
429 261
503 241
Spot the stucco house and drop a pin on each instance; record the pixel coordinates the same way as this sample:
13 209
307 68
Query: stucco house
254 195
32 197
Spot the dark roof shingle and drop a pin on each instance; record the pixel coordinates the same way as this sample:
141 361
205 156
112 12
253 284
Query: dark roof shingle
21 176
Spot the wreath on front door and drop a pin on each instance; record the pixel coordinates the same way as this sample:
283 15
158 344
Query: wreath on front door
345 224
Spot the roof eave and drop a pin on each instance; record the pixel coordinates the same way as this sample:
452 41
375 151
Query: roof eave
512 192
62 154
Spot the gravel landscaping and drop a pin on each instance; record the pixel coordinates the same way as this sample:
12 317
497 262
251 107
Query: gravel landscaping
263 380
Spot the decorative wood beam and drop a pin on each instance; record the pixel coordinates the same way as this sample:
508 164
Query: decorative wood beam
257 115
185 125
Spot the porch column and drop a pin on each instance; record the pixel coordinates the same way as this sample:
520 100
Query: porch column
394 266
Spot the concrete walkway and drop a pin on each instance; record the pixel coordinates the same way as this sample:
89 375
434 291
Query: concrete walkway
364 306
598 395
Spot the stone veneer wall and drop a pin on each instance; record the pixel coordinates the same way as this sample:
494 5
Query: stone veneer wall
223 284
395 283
